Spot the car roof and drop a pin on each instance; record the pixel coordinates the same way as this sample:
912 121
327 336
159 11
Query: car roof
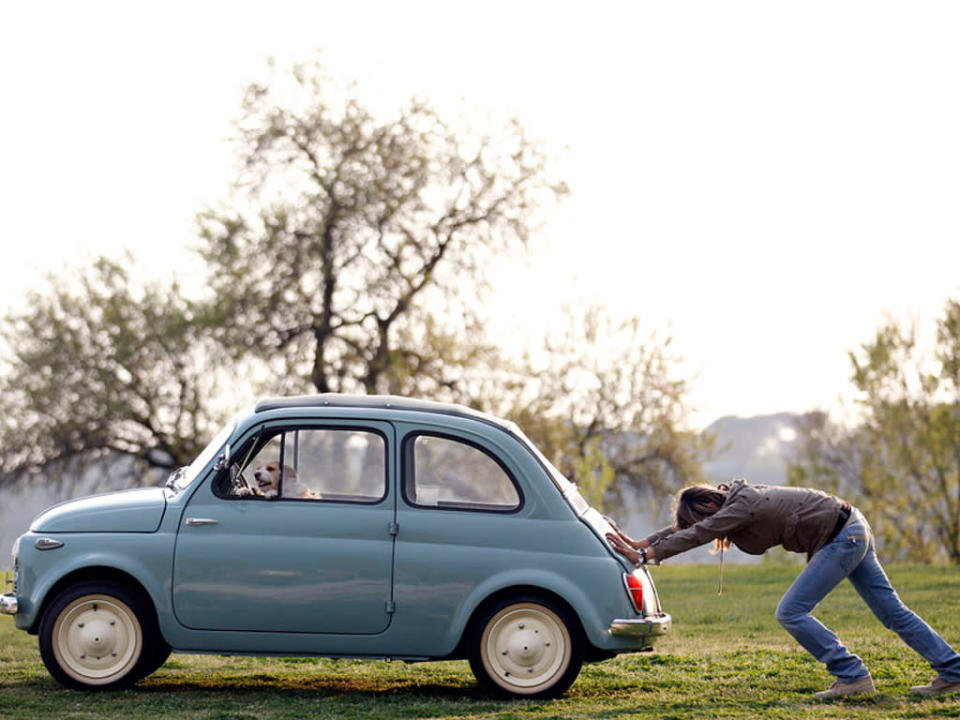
388 402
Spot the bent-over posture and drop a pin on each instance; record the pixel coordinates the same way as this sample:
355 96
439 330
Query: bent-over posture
838 542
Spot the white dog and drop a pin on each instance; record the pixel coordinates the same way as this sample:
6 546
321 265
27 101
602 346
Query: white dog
266 476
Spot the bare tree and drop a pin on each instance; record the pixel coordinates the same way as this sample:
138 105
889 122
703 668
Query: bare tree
351 253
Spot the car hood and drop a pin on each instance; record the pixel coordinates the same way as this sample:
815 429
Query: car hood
139 510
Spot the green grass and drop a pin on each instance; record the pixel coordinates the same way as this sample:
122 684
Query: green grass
726 657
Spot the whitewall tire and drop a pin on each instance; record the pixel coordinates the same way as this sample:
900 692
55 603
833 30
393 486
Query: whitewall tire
98 636
526 647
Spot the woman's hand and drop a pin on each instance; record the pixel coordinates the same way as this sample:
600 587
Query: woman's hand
635 544
623 548
628 550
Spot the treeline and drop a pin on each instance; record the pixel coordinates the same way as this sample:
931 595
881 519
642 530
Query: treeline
351 254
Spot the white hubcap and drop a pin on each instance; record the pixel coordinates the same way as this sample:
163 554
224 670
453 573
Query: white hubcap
526 648
97 639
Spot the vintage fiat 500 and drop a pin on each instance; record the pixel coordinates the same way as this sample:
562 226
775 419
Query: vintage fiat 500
329 525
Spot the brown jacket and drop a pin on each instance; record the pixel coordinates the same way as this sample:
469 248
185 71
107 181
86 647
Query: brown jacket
756 518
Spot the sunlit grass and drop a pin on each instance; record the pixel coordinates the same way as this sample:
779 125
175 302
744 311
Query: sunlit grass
725 658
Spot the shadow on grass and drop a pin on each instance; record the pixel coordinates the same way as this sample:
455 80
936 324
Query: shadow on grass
252 697
314 687
267 697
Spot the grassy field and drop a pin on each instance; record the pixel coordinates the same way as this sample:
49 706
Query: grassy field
725 658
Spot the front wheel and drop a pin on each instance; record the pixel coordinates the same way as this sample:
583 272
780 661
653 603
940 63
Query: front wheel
526 647
97 636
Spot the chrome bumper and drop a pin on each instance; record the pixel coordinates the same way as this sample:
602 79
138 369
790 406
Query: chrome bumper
8 604
648 627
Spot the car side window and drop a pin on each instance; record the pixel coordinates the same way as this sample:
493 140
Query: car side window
332 464
442 472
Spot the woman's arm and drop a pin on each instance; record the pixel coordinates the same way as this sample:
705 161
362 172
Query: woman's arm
660 535
730 517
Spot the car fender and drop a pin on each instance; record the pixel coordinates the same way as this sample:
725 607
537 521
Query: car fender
132 563
585 607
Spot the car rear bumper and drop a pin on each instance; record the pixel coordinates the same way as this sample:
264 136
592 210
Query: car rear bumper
647 627
9 604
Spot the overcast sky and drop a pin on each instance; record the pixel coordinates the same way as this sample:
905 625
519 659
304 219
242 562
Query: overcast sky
767 179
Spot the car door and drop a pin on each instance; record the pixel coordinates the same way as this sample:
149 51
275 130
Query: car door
459 510
317 558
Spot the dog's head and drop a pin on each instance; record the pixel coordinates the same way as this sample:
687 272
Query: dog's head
267 477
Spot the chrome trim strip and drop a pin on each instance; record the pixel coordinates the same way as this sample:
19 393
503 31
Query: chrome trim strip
653 586
8 604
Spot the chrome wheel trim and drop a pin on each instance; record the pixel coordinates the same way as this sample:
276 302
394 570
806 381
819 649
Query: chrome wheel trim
97 639
526 648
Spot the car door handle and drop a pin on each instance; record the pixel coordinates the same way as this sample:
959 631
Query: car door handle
201 521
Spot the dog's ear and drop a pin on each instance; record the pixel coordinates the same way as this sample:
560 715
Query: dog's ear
289 473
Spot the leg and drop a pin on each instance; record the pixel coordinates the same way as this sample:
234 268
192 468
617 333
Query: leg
871 582
824 572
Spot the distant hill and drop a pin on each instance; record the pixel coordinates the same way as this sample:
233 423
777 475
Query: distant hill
756 448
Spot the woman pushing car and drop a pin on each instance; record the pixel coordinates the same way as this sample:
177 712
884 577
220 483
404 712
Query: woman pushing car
838 542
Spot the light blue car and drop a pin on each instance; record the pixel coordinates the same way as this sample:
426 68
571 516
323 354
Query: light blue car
330 525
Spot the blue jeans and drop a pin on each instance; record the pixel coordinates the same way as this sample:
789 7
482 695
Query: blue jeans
852 554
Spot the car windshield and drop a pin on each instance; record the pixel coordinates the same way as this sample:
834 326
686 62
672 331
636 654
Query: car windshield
186 475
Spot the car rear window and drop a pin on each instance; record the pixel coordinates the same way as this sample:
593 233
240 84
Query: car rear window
443 472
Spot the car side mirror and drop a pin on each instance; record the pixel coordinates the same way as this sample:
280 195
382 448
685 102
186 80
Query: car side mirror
222 460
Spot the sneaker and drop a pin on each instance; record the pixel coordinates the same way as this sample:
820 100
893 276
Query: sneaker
938 687
861 686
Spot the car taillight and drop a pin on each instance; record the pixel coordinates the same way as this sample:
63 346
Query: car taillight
635 591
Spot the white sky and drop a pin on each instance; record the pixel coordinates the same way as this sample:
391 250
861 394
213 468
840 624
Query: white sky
765 178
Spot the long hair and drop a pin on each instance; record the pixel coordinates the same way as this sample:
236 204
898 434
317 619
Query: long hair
698 502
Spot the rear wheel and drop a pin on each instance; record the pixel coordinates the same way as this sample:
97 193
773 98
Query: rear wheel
526 646
99 636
